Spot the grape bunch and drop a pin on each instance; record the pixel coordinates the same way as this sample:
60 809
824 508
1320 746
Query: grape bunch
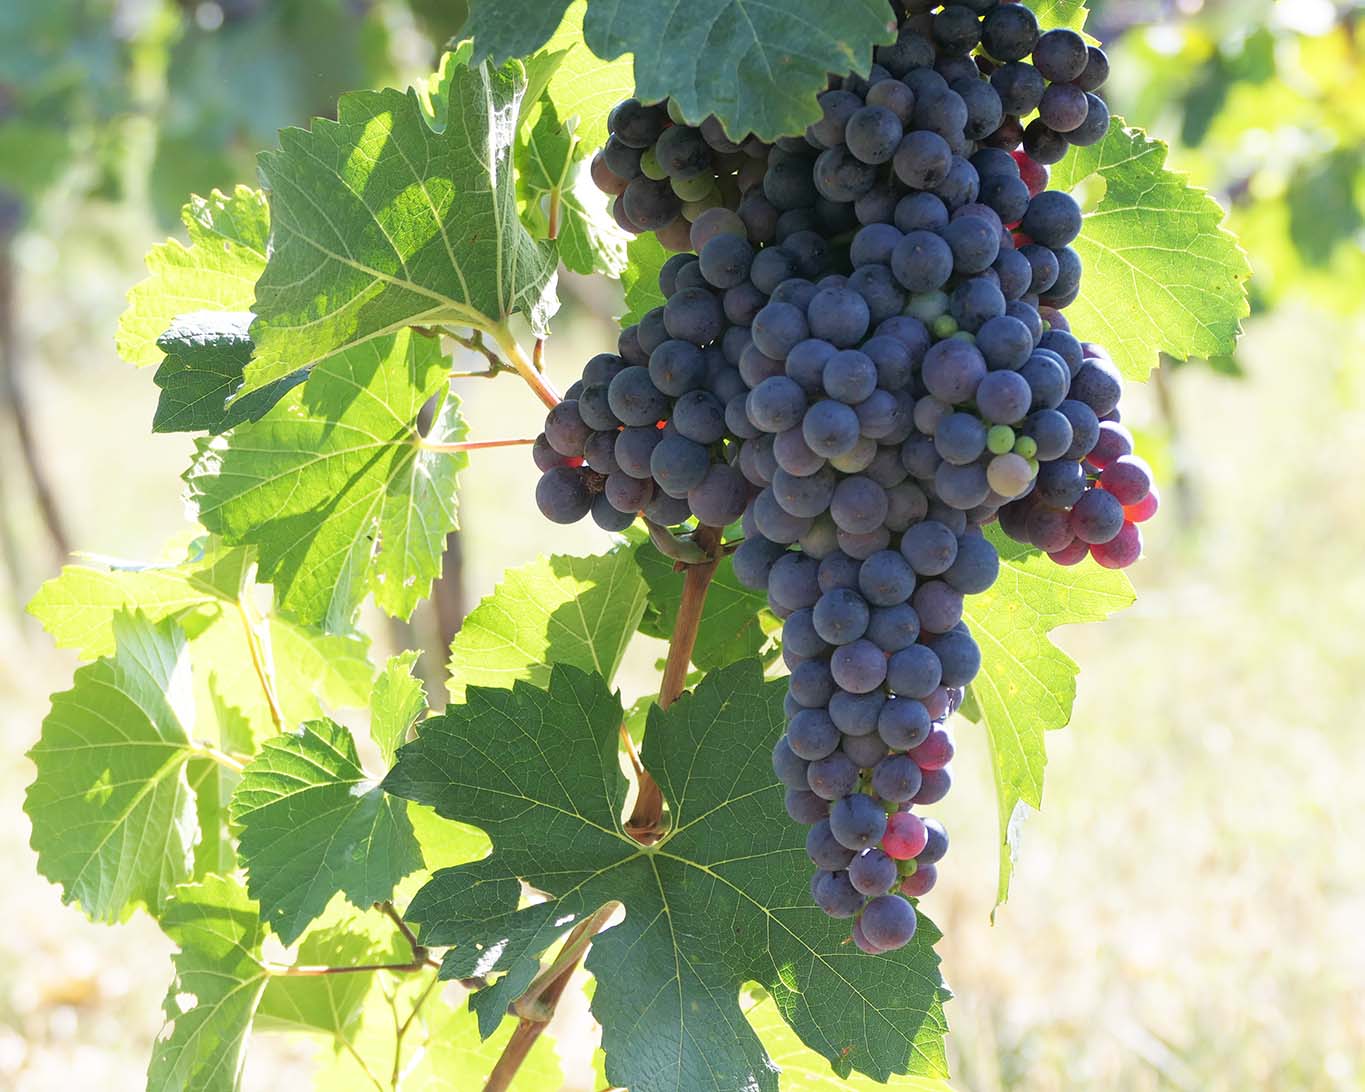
871 326
643 430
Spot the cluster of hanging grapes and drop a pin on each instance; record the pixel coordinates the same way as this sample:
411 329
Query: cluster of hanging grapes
863 357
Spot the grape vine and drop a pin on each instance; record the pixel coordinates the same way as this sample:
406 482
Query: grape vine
854 465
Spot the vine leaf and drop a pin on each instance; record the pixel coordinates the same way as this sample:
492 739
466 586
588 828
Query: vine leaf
216 272
757 68
563 120
399 700
203 594
583 86
314 823
1161 272
219 981
335 487
805 1071
401 212
441 1051
580 611
721 900
640 279
551 167
331 1003
206 353
731 621
1052 14
1027 685
113 813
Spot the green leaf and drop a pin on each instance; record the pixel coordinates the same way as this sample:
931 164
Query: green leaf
314 823
329 1003
440 1052
457 1060
1027 684
553 172
399 700
112 809
731 628
580 611
78 607
393 216
757 68
583 86
1053 14
216 272
219 980
722 899
640 279
336 488
1161 272
805 1071
311 671
206 352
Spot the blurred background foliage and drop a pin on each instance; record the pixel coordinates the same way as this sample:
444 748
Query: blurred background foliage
1186 911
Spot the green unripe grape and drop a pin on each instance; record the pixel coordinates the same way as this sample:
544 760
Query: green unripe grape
944 326
1000 439
675 112
927 306
693 209
1032 465
693 189
1046 325
1026 446
965 335
650 166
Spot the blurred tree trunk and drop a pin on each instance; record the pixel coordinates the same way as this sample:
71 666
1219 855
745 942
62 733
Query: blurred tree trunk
12 394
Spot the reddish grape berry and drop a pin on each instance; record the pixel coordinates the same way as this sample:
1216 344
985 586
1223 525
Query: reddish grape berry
1145 509
1033 173
1115 442
1120 551
1071 555
935 752
905 836
920 882
1128 478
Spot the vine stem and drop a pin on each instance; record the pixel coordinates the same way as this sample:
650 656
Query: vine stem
647 815
643 825
525 367
258 661
473 445
555 981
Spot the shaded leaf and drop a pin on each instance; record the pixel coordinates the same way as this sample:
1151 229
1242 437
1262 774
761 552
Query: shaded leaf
757 68
206 352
